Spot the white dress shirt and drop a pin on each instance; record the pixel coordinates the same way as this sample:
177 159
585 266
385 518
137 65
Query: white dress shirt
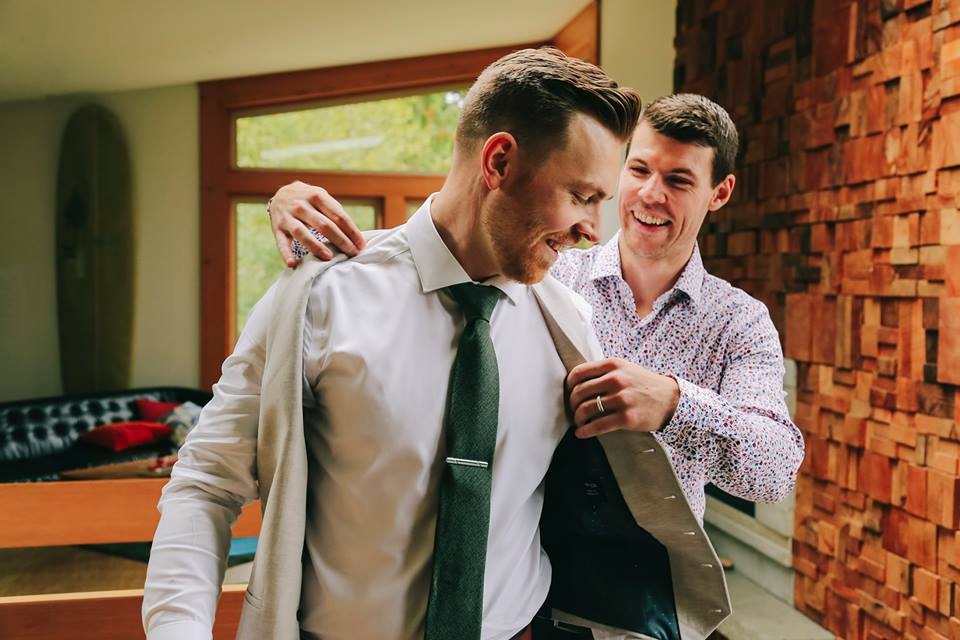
380 338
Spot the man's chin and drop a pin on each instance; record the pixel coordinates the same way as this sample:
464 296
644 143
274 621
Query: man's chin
643 247
529 273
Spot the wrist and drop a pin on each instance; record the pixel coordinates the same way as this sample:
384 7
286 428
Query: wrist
671 399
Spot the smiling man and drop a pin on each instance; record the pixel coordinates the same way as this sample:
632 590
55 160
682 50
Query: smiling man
396 413
690 358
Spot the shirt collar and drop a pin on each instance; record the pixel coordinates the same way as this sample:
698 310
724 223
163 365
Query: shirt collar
691 278
436 265
690 282
607 263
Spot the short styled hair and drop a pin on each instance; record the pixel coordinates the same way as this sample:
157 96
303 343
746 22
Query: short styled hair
533 93
688 117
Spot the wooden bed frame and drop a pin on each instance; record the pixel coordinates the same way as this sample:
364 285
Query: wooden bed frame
48 514
98 615
81 512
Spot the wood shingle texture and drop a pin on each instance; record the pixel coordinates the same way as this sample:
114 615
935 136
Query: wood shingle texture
845 223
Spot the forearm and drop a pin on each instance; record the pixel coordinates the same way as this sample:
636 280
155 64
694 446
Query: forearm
748 450
215 475
187 564
213 478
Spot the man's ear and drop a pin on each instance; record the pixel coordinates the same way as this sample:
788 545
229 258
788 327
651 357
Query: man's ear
497 159
722 193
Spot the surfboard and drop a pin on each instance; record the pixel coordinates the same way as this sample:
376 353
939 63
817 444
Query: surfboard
94 253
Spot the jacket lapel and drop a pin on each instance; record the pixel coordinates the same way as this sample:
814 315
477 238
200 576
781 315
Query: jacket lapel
641 468
645 480
273 592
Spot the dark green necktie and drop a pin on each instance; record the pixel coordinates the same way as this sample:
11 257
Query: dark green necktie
455 607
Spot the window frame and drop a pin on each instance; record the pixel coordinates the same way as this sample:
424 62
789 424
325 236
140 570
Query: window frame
222 183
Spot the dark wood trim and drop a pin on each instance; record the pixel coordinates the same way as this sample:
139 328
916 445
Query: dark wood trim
264 183
581 36
395 207
364 79
217 253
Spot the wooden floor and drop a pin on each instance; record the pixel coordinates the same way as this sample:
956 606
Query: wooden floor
46 592
46 570
66 570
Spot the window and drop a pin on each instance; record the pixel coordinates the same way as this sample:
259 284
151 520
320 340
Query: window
258 264
400 134
336 127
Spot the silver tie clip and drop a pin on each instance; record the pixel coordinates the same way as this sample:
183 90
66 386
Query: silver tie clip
467 463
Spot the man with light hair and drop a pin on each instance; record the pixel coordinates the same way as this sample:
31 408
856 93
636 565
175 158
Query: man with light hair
396 413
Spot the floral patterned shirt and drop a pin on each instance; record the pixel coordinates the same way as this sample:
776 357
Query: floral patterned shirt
732 426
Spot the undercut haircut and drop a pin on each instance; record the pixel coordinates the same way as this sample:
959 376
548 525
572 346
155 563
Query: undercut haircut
533 93
692 118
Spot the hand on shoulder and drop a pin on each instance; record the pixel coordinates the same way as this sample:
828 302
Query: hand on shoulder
297 208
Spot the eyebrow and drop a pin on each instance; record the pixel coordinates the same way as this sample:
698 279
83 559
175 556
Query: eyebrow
586 186
681 170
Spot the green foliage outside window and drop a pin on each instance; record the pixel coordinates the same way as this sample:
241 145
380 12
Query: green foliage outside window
409 133
401 134
258 263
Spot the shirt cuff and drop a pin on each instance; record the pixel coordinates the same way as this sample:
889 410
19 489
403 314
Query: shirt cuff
690 415
181 630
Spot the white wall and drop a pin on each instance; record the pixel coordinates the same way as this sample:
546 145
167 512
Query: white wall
29 351
161 126
636 50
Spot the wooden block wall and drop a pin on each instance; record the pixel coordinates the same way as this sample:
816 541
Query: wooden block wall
845 222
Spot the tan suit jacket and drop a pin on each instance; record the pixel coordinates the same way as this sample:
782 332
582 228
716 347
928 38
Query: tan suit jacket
643 472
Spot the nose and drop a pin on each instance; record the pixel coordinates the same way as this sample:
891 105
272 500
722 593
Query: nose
589 227
652 190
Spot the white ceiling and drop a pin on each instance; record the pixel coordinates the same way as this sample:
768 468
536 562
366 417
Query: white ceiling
53 47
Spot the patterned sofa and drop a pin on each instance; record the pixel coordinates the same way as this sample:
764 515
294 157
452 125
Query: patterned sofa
38 438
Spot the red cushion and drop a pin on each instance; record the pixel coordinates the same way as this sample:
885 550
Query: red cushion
154 411
123 435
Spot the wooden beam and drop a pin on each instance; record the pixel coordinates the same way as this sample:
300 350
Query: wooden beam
298 87
217 246
342 184
43 514
580 38
394 210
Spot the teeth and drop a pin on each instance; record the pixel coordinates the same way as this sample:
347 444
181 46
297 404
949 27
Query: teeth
649 219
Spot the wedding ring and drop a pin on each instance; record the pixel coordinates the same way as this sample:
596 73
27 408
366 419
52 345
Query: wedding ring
600 406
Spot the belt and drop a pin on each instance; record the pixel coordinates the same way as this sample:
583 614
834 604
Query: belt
546 629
